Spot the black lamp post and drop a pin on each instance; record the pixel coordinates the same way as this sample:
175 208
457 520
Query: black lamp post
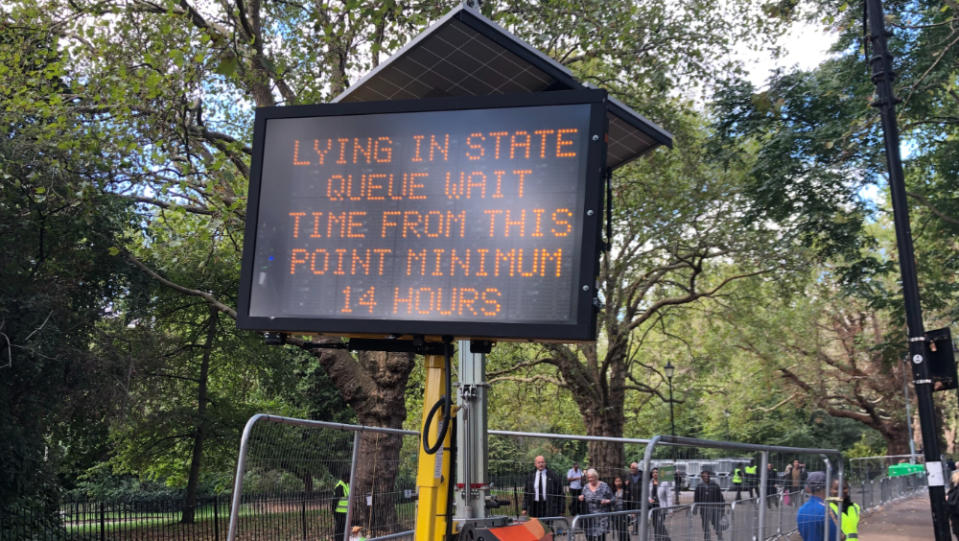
669 370
882 77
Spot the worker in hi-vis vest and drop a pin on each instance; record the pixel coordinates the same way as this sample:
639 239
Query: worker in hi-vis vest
738 480
752 479
849 517
340 505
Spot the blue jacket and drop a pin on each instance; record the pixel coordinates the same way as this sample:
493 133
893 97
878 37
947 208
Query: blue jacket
809 521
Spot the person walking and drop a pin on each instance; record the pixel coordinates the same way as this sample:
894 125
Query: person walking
340 505
850 512
710 505
543 492
810 519
952 503
752 479
575 479
656 515
620 503
738 481
634 487
772 493
795 473
597 497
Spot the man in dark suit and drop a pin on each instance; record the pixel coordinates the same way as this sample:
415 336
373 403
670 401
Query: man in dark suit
710 504
634 492
634 486
543 492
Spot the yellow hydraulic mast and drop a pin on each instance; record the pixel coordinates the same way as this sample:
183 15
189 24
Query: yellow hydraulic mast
434 469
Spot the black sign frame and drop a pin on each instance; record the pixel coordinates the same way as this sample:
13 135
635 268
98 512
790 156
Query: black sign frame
583 326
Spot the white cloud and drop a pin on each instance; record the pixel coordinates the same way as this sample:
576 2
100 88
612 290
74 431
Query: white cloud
805 46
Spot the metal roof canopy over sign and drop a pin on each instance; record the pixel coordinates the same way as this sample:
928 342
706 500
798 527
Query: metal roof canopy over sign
466 54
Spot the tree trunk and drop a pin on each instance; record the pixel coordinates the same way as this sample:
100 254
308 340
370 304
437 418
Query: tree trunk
374 385
375 474
199 434
607 458
599 389
308 484
896 436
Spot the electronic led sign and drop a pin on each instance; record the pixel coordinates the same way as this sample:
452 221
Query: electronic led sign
470 217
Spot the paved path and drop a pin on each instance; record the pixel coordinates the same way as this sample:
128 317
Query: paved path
904 520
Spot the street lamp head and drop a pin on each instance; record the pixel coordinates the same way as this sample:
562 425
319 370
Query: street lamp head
669 369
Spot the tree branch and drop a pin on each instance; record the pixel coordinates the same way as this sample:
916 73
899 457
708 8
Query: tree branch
925 202
670 301
166 205
522 364
208 297
538 378
932 66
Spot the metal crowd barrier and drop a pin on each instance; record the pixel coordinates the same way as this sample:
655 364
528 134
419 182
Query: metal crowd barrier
766 516
749 531
608 523
313 449
409 534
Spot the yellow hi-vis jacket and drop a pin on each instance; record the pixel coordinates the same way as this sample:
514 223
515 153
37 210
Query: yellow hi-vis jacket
344 503
737 476
850 519
751 470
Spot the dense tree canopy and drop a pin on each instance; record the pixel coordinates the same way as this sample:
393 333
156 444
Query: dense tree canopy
59 272
818 155
125 153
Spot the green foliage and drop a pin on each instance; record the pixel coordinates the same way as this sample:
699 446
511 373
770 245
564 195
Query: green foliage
154 438
58 276
818 160
867 445
818 146
803 167
99 483
317 394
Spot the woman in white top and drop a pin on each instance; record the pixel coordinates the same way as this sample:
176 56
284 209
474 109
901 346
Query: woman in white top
657 518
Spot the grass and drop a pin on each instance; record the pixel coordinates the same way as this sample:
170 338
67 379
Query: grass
263 519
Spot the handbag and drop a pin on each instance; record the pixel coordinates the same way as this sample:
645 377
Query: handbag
724 523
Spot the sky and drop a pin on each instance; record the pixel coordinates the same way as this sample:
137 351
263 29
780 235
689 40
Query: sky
806 46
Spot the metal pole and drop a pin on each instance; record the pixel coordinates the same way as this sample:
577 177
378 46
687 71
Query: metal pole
644 498
353 486
433 471
672 424
762 503
672 449
238 480
471 436
905 391
826 503
882 76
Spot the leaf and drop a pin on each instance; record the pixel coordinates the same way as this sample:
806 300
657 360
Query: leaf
227 66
